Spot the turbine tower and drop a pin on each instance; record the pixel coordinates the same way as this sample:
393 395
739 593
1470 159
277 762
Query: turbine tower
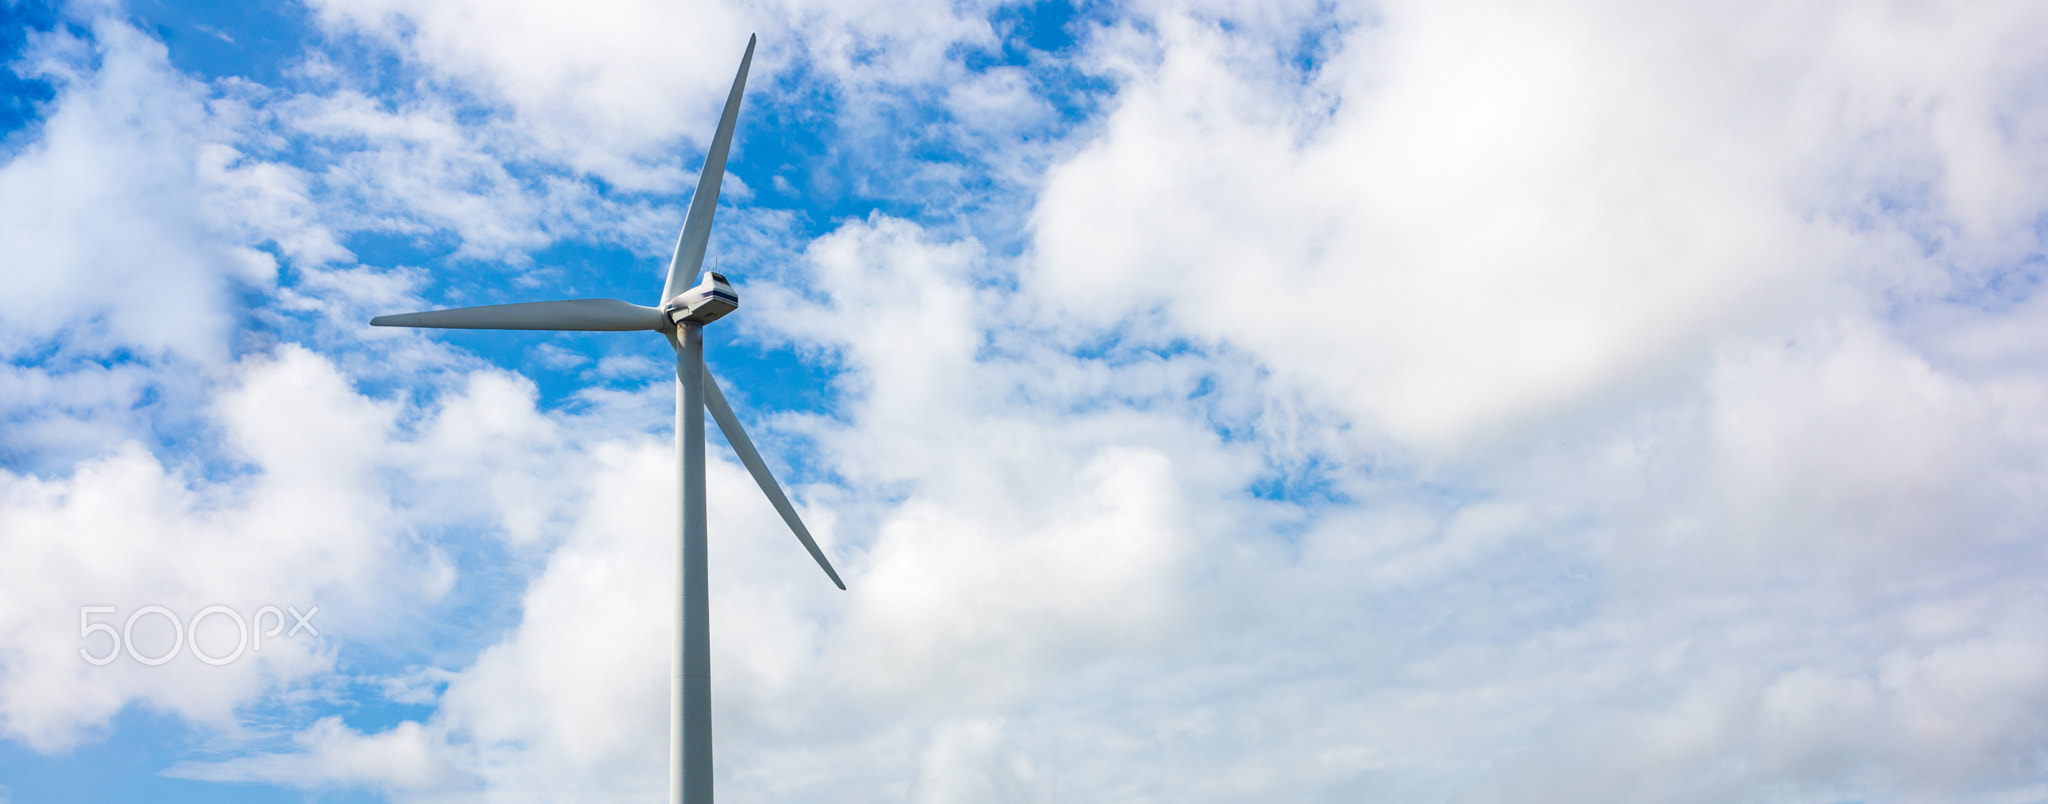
685 308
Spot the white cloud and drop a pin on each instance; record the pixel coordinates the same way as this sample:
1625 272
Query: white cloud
966 762
607 88
581 78
1609 300
67 413
1475 213
309 526
332 755
634 366
415 170
132 217
558 358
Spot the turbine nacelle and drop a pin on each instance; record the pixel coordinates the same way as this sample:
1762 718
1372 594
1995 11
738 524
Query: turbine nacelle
709 301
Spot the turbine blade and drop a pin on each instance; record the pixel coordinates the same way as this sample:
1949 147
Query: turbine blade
582 315
696 236
730 424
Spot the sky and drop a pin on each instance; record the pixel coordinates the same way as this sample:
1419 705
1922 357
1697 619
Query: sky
1205 401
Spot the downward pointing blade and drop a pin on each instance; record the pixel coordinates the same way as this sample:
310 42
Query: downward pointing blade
714 400
580 315
689 256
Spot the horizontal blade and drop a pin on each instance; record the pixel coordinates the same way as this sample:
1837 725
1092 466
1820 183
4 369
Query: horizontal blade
715 401
579 315
696 236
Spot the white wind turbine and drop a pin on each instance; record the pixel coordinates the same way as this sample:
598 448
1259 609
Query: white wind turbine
681 317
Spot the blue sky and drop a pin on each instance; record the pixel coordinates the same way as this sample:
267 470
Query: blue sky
1204 401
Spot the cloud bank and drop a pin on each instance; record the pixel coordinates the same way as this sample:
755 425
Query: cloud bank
1442 402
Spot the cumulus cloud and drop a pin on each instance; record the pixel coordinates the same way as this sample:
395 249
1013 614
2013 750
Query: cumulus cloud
129 224
1628 287
133 216
1474 213
306 528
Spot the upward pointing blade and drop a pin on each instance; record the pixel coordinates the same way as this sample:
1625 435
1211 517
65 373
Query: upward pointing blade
714 400
689 256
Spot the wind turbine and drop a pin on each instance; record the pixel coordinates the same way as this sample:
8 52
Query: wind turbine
684 311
